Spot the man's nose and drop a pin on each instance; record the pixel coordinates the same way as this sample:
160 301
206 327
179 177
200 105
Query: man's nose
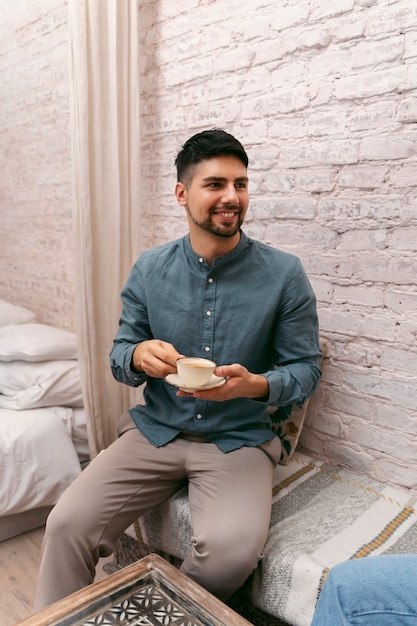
230 195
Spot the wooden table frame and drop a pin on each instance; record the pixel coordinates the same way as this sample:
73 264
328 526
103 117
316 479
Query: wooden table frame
100 596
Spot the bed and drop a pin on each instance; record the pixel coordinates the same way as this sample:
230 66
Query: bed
43 430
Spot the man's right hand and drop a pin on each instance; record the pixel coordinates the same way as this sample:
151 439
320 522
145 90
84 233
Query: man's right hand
156 358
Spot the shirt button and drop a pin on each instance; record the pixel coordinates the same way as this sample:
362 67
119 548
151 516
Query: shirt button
208 313
210 279
207 348
199 416
201 260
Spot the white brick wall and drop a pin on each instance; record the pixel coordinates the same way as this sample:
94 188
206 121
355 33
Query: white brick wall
36 239
324 95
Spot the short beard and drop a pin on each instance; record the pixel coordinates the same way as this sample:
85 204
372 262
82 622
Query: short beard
218 231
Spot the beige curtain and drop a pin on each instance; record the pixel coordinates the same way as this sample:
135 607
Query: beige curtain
104 97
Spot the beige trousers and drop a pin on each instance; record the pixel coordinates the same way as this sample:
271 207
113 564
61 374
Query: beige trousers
230 501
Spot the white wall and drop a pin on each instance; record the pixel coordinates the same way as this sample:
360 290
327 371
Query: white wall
36 238
323 94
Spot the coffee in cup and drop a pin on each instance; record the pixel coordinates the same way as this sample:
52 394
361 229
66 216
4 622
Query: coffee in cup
195 371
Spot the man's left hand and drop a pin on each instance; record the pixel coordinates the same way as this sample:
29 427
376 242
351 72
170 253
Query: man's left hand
240 383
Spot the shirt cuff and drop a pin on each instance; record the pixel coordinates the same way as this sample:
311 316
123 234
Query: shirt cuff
275 386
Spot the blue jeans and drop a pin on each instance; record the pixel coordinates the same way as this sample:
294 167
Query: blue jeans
371 591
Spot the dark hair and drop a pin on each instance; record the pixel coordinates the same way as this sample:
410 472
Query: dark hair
207 145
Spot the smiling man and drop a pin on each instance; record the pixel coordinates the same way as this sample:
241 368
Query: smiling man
213 293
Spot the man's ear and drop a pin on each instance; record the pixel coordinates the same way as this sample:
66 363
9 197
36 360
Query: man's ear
181 194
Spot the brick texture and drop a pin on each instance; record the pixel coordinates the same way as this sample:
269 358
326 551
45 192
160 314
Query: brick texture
324 96
36 239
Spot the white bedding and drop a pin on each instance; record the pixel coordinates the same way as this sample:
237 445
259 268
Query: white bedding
43 430
37 457
28 385
12 314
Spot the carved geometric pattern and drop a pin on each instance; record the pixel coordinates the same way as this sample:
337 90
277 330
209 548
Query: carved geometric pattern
148 605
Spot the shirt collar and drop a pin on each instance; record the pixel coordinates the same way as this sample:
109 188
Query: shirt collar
244 243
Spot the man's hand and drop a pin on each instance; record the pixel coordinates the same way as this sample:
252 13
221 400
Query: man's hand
156 358
240 383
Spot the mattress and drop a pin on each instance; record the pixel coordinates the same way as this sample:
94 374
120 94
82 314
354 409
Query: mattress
43 429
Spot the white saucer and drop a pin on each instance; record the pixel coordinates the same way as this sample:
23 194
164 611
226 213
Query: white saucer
215 381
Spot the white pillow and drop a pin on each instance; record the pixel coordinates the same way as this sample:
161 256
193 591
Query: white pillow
79 425
37 458
36 342
80 436
13 314
26 385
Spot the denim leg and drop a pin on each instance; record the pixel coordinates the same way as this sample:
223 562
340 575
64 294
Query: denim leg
372 591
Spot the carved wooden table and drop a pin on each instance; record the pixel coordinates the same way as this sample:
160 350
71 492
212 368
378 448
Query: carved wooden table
150 591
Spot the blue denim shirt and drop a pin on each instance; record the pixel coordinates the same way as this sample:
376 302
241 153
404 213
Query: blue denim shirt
253 306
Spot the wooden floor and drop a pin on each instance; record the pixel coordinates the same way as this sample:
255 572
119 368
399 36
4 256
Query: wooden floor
19 559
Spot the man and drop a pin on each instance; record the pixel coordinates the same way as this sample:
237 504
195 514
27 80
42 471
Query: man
373 591
213 293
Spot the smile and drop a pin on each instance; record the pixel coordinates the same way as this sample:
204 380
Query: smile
227 214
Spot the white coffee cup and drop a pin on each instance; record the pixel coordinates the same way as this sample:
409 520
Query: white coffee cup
195 371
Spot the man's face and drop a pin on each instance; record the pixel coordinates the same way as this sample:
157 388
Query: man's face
216 199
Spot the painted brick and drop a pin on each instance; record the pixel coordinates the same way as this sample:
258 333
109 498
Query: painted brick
362 177
363 354
368 83
314 181
406 332
388 416
404 175
358 294
360 239
323 289
410 45
373 115
332 8
384 441
407 113
339 267
397 16
400 391
398 146
401 302
302 207
403 238
304 235
351 210
337 451
330 424
36 261
398 472
337 152
402 360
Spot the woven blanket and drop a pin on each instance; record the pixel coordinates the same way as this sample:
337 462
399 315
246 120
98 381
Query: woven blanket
321 515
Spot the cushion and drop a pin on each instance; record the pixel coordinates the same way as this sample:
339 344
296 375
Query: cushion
79 434
37 458
36 342
79 424
288 421
13 314
28 385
